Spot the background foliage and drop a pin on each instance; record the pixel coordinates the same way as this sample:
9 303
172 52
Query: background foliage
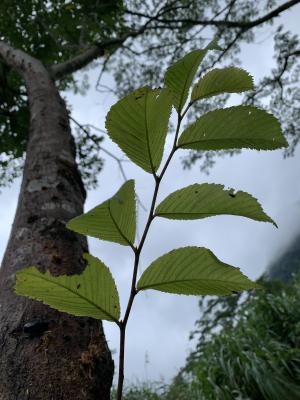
137 40
53 32
247 348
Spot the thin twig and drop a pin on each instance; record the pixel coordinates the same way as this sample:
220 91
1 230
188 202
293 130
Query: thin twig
96 128
103 67
107 89
232 24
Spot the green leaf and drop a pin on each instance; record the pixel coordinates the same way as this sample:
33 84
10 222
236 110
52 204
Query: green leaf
218 81
91 294
139 123
114 220
209 199
213 45
193 271
234 128
179 76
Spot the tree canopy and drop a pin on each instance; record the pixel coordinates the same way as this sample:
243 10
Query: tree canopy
55 32
134 41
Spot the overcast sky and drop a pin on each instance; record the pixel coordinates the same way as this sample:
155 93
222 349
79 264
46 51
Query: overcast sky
160 324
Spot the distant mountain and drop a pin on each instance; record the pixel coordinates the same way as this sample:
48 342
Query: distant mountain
287 264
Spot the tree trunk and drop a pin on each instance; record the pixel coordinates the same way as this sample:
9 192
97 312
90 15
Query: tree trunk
46 354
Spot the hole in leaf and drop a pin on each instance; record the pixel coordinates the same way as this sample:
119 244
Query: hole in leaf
232 192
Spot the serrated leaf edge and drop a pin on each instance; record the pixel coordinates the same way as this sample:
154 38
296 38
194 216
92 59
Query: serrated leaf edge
182 146
43 276
269 219
246 88
255 285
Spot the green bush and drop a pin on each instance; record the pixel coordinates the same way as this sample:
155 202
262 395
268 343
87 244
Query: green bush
250 348
180 389
145 391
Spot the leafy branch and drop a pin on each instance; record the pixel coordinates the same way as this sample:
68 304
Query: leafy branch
138 124
137 253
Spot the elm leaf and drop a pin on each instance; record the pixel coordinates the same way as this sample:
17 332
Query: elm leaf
207 200
114 220
138 123
91 294
235 127
193 271
225 80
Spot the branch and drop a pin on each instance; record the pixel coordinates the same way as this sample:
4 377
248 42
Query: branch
97 50
276 80
234 24
103 67
19 60
60 70
162 11
229 46
74 64
295 53
228 7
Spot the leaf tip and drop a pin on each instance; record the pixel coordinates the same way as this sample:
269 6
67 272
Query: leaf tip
70 225
258 286
213 45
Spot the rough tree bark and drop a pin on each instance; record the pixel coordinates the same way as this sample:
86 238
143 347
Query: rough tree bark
45 354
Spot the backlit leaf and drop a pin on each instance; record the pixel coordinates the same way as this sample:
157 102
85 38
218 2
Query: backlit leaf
209 199
193 271
114 220
218 81
139 123
179 76
91 294
234 128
